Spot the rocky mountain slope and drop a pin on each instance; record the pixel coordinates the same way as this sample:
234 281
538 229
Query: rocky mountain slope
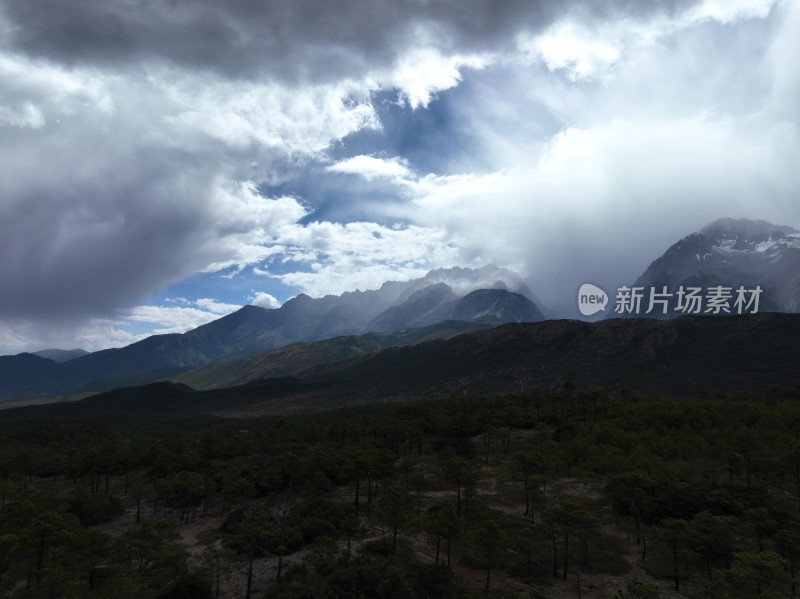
731 254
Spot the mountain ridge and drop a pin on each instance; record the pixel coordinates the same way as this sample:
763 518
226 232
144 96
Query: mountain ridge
689 353
252 329
61 355
690 356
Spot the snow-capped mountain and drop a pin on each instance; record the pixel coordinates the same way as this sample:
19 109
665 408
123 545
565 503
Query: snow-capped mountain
731 253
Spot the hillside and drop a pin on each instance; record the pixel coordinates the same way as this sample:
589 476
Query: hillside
682 357
297 357
676 357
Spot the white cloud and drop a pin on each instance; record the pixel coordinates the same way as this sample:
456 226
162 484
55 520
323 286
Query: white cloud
292 120
370 167
35 95
97 334
686 130
586 48
424 71
783 68
594 193
178 319
333 258
215 307
178 316
248 226
263 300
24 115
576 49
90 334
728 11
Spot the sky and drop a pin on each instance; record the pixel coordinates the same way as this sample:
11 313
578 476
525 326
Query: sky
164 162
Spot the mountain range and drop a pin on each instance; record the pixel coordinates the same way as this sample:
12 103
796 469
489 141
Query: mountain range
484 297
679 356
682 357
363 332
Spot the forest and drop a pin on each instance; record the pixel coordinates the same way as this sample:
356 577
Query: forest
566 492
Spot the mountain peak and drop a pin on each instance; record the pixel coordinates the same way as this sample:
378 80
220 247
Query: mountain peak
465 280
737 228
496 303
733 253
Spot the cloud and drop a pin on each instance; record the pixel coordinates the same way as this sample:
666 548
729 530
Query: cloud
92 334
579 51
178 319
424 72
23 115
728 11
263 299
585 47
114 230
215 307
324 257
370 167
597 194
291 120
305 41
139 143
686 130
132 168
170 319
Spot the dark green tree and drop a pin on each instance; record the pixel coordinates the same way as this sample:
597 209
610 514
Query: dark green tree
252 535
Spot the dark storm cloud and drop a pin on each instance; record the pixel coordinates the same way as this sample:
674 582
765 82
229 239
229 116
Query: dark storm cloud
298 40
72 244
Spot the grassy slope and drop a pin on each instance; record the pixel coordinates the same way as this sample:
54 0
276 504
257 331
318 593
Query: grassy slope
297 357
